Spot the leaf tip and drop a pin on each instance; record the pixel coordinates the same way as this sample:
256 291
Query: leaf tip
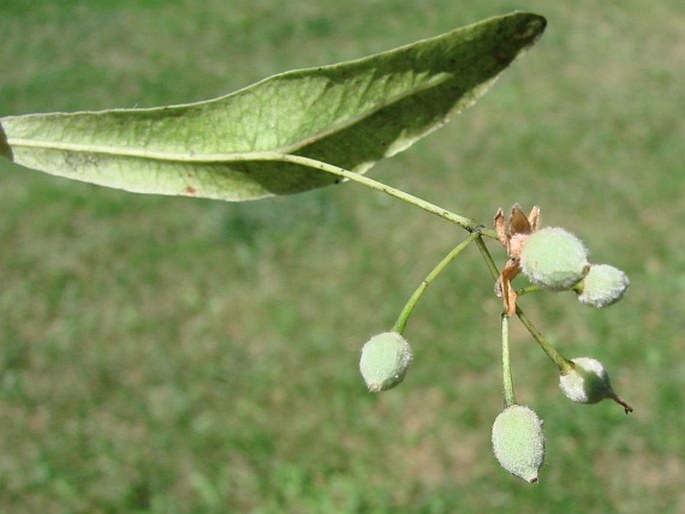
531 30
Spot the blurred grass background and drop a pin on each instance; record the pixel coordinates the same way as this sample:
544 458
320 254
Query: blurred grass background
172 355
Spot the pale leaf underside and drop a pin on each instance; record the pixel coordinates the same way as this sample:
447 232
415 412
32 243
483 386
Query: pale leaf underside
350 115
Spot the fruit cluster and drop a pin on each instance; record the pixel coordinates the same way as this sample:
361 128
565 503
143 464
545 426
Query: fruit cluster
552 259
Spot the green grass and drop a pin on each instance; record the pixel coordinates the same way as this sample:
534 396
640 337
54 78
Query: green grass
169 355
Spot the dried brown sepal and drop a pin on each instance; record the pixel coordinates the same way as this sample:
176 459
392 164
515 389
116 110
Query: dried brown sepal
509 296
501 229
518 223
512 234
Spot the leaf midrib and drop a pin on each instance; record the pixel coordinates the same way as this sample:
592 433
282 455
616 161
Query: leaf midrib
132 152
150 155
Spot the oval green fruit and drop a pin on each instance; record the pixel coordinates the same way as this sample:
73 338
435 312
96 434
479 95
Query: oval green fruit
384 361
602 286
518 442
588 382
554 259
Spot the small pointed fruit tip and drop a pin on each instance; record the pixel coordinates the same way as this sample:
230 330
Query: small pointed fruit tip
374 387
384 361
627 408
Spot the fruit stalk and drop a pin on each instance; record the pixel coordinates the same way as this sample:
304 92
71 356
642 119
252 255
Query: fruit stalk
507 380
408 308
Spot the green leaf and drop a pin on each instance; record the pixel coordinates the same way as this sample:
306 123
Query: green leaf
237 147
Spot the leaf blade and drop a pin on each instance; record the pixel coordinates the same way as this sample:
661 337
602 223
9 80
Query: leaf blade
350 114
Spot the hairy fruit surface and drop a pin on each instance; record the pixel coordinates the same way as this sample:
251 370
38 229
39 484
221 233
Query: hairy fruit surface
384 361
602 286
554 259
518 442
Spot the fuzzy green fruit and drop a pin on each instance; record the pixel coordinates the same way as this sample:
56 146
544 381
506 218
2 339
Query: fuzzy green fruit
554 259
588 382
518 442
602 286
384 361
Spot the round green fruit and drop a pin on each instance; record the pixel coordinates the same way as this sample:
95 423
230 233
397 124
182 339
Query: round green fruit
384 361
587 382
554 259
602 286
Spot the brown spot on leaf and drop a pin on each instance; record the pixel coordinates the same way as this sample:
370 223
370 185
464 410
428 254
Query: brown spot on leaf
190 191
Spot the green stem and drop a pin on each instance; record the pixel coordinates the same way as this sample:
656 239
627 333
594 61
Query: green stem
401 322
476 229
468 224
562 362
489 261
507 381
527 290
